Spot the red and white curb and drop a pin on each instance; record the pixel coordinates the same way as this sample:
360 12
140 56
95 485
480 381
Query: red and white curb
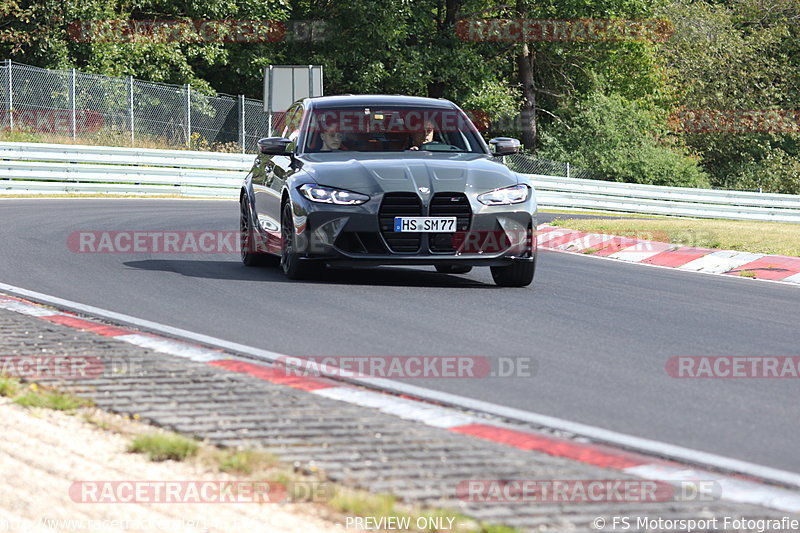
707 260
732 488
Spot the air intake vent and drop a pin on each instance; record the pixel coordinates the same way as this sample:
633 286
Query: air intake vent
448 205
400 204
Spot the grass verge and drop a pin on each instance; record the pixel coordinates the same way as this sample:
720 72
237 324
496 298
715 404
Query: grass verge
777 238
35 396
164 446
334 500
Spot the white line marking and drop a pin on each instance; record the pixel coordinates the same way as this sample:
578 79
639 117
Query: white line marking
27 309
180 349
739 490
641 251
793 283
721 261
794 278
432 415
592 432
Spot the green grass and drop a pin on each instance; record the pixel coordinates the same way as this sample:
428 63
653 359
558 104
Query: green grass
779 238
57 401
109 195
245 461
108 137
599 213
8 386
164 446
33 396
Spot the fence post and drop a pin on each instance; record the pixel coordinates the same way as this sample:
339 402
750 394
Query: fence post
188 115
130 110
241 122
567 169
10 93
269 101
72 126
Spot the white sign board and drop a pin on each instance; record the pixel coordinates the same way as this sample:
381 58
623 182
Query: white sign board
284 84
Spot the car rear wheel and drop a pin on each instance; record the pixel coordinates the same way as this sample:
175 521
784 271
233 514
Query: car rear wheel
292 266
517 274
453 269
248 252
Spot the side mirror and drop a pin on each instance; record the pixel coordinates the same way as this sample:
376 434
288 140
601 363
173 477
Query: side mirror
274 145
503 146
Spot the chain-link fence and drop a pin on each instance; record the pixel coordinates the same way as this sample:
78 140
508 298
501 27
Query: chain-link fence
38 104
526 164
69 106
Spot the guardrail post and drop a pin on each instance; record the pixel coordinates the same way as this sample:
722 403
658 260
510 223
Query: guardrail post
130 110
188 115
10 99
72 126
241 122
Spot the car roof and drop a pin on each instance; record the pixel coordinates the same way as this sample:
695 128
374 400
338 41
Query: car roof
325 102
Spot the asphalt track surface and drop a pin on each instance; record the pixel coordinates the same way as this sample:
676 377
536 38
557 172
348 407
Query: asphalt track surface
600 332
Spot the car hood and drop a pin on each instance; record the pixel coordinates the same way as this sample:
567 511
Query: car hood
404 172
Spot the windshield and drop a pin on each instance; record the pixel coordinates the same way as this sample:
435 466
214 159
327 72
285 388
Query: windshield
391 129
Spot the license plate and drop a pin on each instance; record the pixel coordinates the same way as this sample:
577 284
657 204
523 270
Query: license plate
425 224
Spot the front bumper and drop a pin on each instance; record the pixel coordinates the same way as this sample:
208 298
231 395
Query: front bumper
358 236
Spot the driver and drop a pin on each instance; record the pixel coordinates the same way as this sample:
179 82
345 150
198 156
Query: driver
331 137
425 136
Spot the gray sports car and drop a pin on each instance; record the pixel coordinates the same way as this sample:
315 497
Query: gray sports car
387 180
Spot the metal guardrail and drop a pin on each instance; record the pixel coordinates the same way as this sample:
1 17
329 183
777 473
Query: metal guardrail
576 193
32 168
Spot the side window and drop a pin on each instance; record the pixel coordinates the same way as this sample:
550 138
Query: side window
293 117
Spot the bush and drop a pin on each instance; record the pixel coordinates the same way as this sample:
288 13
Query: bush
621 141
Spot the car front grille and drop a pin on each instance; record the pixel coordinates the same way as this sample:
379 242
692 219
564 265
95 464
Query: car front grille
447 205
400 204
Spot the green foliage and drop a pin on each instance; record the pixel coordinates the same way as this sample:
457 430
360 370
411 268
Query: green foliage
724 55
621 141
738 55
164 446
8 386
51 400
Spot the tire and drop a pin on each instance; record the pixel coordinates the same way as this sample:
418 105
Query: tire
249 256
453 269
290 263
517 274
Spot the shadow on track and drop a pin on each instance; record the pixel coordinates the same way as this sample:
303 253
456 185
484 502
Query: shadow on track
382 276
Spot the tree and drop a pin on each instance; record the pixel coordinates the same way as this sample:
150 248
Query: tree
621 140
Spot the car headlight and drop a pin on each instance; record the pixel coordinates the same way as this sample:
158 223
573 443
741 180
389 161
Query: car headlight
329 195
509 195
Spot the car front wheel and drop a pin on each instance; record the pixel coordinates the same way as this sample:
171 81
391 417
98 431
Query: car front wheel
291 264
517 274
